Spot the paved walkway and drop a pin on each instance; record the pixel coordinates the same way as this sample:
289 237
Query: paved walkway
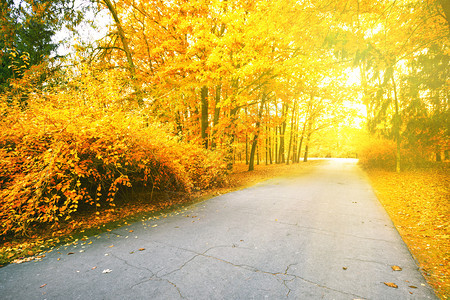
321 235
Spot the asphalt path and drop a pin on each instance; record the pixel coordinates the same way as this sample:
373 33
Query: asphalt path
319 235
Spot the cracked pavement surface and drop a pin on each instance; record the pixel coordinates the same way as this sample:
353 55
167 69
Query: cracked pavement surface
319 235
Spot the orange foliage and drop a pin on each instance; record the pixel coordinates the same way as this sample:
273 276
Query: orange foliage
417 202
378 153
78 147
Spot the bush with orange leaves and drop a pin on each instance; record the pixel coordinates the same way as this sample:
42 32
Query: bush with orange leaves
378 153
64 151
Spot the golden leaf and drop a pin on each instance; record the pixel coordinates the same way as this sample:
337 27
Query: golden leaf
391 284
396 268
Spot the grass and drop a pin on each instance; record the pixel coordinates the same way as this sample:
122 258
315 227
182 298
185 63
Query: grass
418 203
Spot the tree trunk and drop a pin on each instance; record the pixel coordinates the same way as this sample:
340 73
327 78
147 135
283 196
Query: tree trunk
257 154
438 155
292 132
204 117
246 139
126 49
270 146
267 145
230 140
251 166
295 143
396 128
301 142
275 135
216 117
305 158
281 159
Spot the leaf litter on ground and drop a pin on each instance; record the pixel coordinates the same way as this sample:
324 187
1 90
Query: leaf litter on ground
418 203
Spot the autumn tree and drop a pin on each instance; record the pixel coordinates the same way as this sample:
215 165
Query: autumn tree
28 29
405 30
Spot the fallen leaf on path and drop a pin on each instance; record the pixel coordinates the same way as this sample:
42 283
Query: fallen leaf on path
413 287
396 268
106 271
141 249
344 268
43 285
391 284
111 246
93 268
70 253
130 230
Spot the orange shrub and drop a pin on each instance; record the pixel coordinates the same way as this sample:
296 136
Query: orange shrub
378 153
54 158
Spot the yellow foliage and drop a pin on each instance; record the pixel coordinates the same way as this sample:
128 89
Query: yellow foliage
378 153
80 147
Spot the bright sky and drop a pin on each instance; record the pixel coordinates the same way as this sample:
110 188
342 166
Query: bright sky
66 40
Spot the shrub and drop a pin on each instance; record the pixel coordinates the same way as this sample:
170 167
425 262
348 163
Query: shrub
54 159
378 153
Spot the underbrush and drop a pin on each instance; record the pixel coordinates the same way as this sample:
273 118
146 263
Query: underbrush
57 159
381 154
378 153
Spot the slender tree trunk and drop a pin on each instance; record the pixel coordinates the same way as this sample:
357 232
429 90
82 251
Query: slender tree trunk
267 145
396 127
282 132
297 122
230 138
257 154
126 49
275 135
122 36
308 139
295 141
305 158
216 117
251 166
230 134
246 139
204 116
178 122
301 142
270 146
292 132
